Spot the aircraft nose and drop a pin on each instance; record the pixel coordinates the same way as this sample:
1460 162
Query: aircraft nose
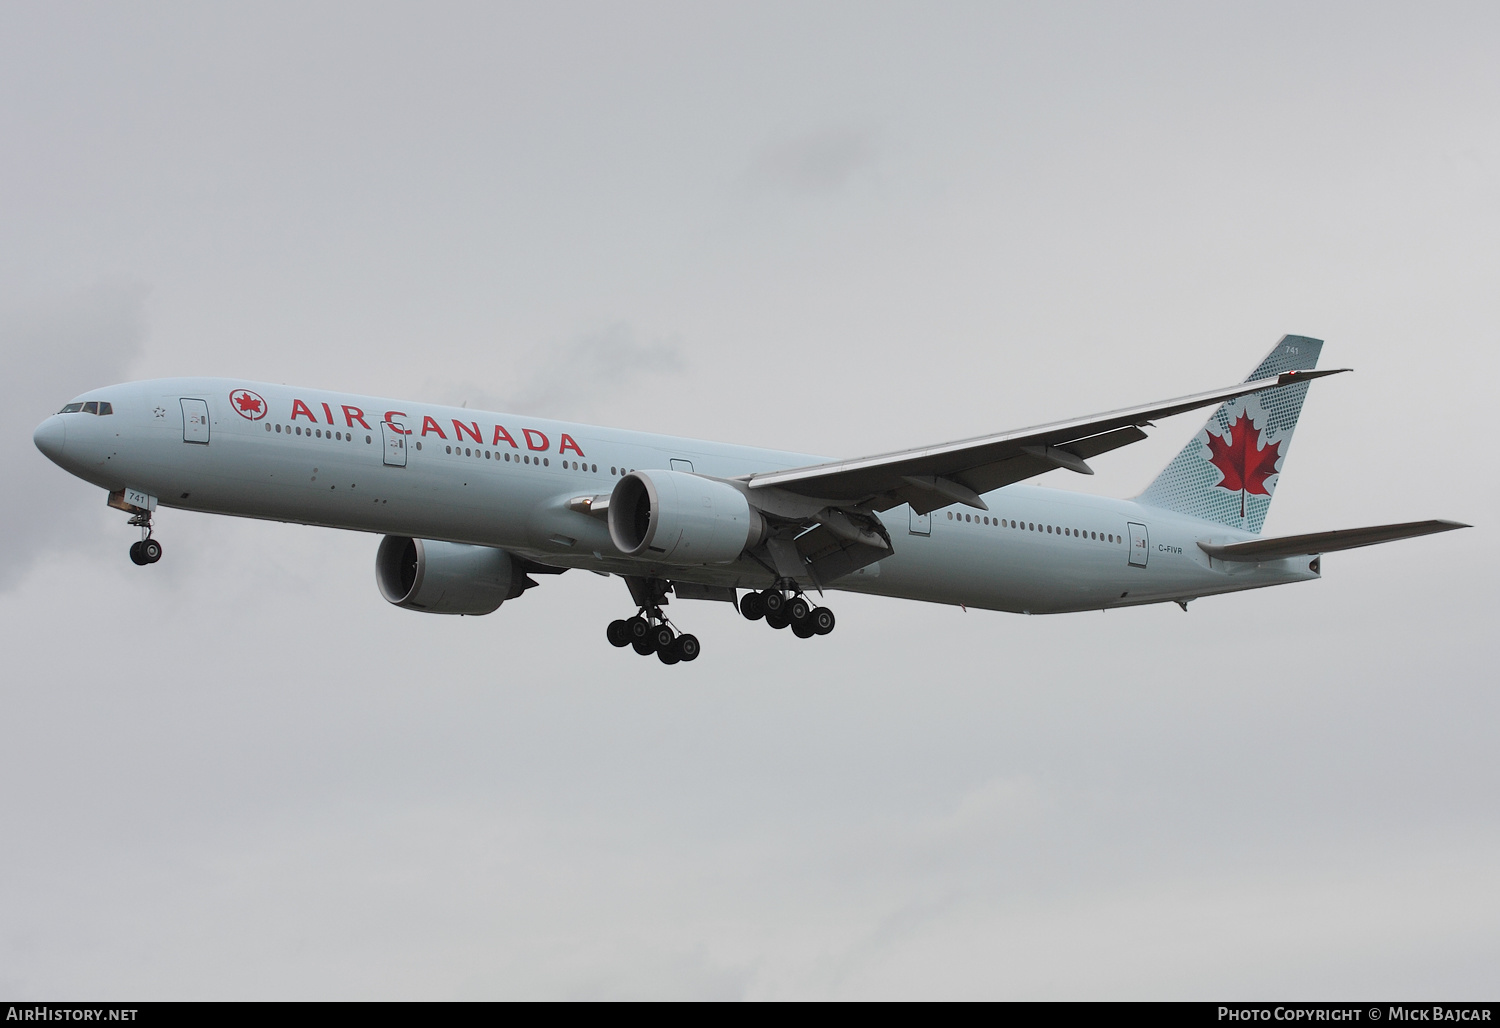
51 437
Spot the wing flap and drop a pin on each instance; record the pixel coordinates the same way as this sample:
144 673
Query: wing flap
1253 550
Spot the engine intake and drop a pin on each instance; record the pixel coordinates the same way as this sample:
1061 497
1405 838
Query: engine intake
445 578
681 518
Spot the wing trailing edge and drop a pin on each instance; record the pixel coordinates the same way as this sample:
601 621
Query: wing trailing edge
959 472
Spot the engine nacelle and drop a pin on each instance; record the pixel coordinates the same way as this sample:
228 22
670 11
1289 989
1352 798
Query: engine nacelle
680 518
445 578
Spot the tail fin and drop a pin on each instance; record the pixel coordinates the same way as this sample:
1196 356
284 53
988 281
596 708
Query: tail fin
1229 470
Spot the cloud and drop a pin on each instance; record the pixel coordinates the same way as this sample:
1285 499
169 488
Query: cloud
53 349
576 379
815 163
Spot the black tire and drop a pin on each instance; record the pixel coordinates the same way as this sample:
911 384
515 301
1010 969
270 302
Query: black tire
773 601
151 550
822 620
135 555
668 655
637 628
662 638
797 609
643 646
803 629
686 647
777 621
752 607
617 633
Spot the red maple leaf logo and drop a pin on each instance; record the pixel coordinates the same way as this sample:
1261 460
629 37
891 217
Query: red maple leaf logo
248 404
1244 463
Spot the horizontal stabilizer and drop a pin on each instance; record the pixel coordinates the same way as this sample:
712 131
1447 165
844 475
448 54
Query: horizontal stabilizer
1323 542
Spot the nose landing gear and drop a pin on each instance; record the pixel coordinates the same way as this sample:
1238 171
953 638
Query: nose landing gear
781 610
148 550
139 506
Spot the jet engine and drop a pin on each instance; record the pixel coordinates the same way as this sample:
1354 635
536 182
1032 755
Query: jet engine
446 578
680 518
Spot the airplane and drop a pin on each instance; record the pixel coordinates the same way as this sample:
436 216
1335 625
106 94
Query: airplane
471 504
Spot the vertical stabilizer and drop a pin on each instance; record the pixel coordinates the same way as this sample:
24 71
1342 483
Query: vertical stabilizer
1228 472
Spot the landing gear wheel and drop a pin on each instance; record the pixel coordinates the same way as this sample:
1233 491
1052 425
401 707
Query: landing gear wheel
637 628
797 609
135 555
662 638
822 620
618 633
777 620
151 550
773 601
686 647
645 647
803 630
752 607
668 655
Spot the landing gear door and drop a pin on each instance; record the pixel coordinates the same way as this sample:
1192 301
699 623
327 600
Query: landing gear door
195 421
921 524
395 444
1139 549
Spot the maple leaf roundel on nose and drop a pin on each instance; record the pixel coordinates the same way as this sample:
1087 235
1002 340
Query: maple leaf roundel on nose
247 404
1239 456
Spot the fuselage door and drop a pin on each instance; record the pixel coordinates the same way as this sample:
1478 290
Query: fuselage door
1138 545
921 524
395 444
678 464
194 421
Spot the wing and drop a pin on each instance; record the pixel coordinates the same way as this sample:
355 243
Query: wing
958 472
1253 550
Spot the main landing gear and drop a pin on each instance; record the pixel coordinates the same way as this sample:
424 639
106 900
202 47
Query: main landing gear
148 550
650 632
781 610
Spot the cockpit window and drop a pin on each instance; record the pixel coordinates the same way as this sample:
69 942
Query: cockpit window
72 408
91 407
105 408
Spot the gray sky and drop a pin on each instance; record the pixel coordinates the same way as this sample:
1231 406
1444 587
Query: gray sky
838 228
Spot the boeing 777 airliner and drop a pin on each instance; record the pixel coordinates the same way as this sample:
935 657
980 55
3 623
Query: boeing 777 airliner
472 505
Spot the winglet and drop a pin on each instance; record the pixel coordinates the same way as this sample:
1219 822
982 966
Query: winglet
1287 377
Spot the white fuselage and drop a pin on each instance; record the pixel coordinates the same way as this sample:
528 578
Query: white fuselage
321 458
